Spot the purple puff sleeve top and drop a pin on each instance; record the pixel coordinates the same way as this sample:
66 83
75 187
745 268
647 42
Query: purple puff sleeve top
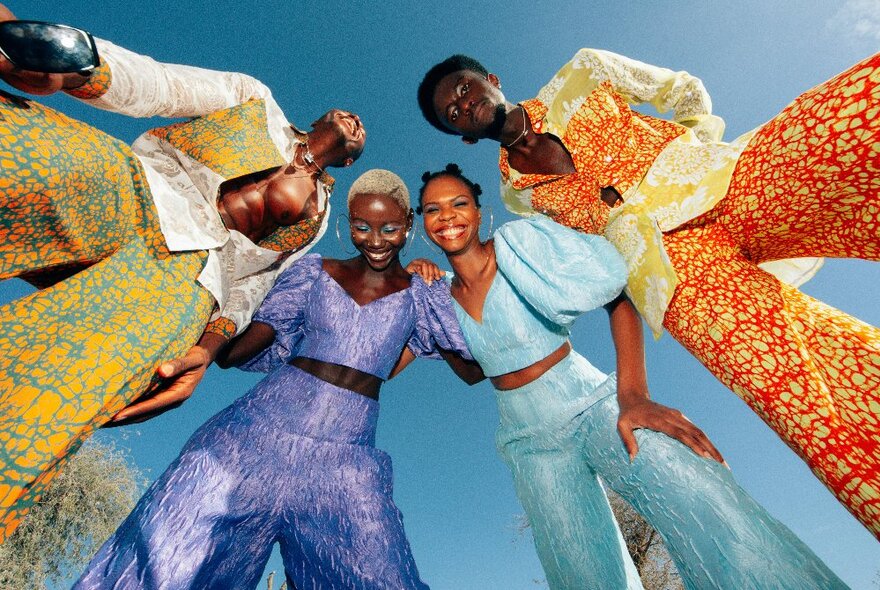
314 317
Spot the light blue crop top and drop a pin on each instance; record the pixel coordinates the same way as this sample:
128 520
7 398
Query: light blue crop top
548 275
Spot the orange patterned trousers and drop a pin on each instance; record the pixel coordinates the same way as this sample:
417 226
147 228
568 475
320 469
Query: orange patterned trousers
73 206
807 185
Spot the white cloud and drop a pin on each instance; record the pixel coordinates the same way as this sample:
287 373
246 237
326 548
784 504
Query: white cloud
857 18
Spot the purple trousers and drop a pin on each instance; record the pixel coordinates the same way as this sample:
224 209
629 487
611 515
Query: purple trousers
293 461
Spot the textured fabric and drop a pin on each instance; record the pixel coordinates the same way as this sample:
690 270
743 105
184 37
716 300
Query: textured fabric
807 184
662 185
75 353
236 128
291 461
561 274
314 317
558 434
810 371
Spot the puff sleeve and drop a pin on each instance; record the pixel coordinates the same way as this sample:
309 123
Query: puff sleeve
284 309
560 272
436 327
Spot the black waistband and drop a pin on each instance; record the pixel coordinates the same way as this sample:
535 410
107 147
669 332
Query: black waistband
341 376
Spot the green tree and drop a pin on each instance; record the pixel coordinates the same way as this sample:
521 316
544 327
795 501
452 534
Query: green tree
83 506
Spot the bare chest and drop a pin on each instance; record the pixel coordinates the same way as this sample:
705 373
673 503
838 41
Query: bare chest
258 204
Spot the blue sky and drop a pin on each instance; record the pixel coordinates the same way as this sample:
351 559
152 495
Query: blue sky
456 495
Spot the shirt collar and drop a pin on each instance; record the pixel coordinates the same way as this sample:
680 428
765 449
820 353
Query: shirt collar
537 112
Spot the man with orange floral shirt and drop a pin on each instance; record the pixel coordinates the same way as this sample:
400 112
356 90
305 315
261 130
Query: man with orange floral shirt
694 218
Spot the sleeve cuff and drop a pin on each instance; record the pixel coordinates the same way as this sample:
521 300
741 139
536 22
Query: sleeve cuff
96 86
223 327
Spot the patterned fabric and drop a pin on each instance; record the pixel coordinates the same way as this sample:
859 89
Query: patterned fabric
72 355
293 460
222 327
224 140
236 129
97 85
64 188
558 434
314 317
666 172
810 371
293 238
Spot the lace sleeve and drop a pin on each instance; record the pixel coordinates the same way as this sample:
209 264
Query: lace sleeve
143 87
663 88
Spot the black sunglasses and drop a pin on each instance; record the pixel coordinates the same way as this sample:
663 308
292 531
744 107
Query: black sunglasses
47 47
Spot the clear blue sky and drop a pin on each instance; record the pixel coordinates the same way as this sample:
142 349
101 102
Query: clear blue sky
456 495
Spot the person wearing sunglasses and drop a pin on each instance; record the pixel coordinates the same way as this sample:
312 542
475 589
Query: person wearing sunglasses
147 258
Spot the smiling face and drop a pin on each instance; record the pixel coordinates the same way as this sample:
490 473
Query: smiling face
347 129
470 104
450 214
379 225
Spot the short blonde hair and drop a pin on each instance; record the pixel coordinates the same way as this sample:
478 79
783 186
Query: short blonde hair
380 182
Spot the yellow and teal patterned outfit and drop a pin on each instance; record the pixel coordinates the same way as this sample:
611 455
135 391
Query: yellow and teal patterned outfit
127 248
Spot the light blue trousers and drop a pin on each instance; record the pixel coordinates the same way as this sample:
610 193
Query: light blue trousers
558 435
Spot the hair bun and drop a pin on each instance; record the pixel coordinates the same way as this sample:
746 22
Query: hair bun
477 190
453 168
426 176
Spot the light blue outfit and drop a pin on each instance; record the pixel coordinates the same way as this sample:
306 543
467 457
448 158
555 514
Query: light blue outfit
558 435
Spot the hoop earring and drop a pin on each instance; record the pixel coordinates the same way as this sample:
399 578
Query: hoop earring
491 224
339 237
431 245
411 237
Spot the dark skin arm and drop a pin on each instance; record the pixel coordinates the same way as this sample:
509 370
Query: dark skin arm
636 408
254 340
182 375
468 371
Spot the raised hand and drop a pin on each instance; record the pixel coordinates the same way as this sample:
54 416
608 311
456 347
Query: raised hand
39 83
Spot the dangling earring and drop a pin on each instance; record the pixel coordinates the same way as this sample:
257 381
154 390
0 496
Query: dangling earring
339 237
491 224
410 238
431 245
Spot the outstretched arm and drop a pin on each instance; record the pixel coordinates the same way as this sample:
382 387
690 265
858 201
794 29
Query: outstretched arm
639 82
180 376
636 408
139 86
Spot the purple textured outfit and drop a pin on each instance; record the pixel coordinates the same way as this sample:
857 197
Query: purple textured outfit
293 461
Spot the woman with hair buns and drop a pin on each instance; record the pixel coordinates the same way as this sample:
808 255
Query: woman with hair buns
564 423
293 460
